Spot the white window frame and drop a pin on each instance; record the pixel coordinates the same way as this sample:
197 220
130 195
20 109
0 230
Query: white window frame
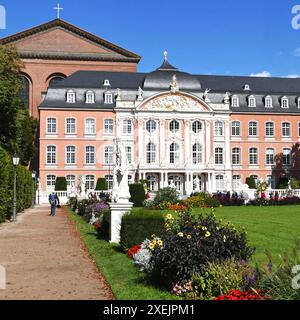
90 97
51 154
197 155
235 103
89 155
236 127
174 126
253 156
285 129
69 126
286 156
219 129
89 181
108 98
70 181
151 126
236 156
127 126
219 182
87 128
71 96
251 101
268 129
268 102
109 180
150 153
270 156
69 155
236 181
174 153
284 103
219 155
50 183
129 154
108 126
108 155
252 127
197 126
52 125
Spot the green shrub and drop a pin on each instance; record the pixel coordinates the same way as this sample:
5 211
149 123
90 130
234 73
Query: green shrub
167 194
283 183
101 184
138 195
139 225
220 278
250 181
61 184
190 243
81 206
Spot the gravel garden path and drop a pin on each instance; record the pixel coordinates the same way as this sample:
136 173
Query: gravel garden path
46 260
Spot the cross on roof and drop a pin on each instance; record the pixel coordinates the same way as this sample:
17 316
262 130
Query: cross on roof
58 8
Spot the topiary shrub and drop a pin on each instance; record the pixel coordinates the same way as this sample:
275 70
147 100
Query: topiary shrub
61 184
139 225
167 194
250 181
283 183
138 195
189 243
101 184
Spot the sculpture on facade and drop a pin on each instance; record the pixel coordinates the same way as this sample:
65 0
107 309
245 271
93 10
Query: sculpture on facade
82 184
205 95
140 94
119 95
174 85
197 187
120 193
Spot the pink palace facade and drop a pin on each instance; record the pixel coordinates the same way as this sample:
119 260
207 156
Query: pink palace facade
175 126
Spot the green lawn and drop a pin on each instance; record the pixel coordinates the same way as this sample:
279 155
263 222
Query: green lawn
124 278
274 228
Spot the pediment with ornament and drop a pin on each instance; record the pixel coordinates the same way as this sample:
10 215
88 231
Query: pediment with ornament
174 102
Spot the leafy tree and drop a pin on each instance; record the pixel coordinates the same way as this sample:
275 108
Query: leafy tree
17 128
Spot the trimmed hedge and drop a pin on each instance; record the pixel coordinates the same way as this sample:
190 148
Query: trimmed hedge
24 186
138 195
139 225
250 181
101 185
61 184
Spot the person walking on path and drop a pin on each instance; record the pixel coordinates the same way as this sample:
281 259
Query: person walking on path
54 202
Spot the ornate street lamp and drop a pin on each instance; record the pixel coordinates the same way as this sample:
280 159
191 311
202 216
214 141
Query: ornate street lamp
16 161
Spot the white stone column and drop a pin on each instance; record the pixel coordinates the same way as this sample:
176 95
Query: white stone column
117 212
208 139
162 141
187 141
141 140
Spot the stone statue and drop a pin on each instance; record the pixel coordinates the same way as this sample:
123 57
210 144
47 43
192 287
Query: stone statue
227 98
290 184
120 192
205 95
140 94
119 95
197 184
172 184
174 85
82 184
73 191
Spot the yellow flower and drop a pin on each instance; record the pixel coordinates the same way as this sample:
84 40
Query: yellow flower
180 234
169 216
204 228
207 234
189 236
160 243
224 238
151 246
220 206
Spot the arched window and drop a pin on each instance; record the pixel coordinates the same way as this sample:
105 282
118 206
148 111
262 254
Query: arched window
218 155
151 153
108 126
110 181
270 156
220 182
90 126
51 126
128 150
108 97
286 156
25 91
108 154
236 181
197 126
270 129
71 96
197 153
50 182
284 102
174 126
90 182
70 126
71 180
89 155
268 102
236 156
55 80
236 129
70 155
90 97
251 102
51 154
253 156
286 129
151 126
174 153
252 129
127 126
219 129
235 101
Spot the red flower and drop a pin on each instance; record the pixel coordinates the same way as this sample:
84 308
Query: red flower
133 251
240 295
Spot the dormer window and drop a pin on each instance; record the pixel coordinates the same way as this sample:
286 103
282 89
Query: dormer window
235 101
106 83
247 87
251 102
284 102
108 98
298 103
71 96
268 102
90 97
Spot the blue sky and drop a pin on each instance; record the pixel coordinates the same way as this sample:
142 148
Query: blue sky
233 37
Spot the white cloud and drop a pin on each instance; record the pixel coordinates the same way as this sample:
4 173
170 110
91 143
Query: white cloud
297 52
292 76
265 74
